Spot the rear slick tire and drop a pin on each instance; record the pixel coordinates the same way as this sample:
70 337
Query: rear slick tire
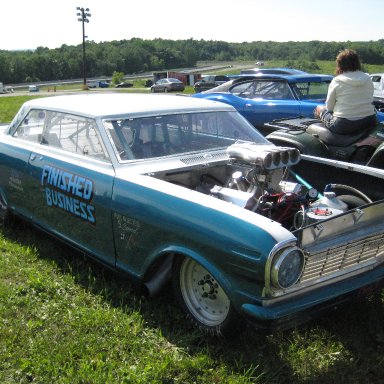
202 298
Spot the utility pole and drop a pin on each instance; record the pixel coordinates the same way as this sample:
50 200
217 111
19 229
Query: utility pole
83 15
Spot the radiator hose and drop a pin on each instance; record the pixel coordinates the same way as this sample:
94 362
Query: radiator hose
353 190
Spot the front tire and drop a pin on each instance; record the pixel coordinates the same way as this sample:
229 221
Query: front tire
203 299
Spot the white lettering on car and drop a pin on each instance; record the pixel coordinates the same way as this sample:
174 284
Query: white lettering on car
70 192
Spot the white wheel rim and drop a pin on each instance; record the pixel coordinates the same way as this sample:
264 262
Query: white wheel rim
202 294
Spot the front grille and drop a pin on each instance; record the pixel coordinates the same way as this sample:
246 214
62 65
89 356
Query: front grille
342 258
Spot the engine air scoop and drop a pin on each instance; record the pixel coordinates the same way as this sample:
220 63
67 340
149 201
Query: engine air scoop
265 156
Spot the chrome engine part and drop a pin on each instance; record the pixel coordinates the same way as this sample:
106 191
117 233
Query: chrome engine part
258 184
266 157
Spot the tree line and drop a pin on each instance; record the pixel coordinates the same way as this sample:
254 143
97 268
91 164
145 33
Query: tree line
138 55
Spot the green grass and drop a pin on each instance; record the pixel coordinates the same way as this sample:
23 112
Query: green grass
65 319
9 105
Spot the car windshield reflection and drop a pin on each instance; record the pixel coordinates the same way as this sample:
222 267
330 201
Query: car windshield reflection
150 137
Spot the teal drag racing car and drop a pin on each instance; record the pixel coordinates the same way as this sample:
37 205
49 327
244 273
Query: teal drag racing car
169 188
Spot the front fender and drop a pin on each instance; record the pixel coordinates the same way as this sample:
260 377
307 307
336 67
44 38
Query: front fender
159 272
303 141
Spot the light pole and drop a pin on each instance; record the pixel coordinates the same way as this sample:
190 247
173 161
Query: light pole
83 15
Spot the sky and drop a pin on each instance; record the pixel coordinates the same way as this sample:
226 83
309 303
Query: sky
28 24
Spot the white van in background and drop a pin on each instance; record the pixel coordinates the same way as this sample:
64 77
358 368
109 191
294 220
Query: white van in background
378 84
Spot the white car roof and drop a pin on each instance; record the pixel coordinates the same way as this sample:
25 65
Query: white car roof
119 104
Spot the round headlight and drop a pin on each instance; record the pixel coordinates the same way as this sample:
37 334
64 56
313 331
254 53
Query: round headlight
287 268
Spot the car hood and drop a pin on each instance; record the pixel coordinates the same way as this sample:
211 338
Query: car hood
220 211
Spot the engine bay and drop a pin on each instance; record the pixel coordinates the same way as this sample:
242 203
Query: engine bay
259 178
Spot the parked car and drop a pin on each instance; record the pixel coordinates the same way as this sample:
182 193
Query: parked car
97 83
210 81
378 84
311 137
186 190
168 84
92 84
103 84
33 88
263 98
124 84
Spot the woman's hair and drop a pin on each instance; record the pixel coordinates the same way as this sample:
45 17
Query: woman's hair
347 61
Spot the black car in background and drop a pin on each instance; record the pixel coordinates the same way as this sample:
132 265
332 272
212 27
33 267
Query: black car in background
124 84
210 81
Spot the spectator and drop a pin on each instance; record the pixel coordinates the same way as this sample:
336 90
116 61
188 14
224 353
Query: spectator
349 101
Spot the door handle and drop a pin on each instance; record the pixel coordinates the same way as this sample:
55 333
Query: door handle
33 157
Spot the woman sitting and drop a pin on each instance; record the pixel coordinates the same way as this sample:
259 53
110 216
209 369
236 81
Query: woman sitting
349 101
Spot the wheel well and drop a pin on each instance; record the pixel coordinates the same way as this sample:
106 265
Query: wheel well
159 273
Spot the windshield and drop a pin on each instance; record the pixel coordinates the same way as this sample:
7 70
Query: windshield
148 137
312 90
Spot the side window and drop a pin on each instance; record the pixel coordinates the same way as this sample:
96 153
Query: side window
244 90
74 134
31 128
279 91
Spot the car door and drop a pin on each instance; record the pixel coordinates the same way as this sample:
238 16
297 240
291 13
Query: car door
15 151
70 184
266 100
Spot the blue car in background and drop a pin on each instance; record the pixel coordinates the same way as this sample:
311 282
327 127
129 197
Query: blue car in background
266 97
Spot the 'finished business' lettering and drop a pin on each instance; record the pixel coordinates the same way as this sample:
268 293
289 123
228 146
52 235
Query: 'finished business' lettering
69 192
